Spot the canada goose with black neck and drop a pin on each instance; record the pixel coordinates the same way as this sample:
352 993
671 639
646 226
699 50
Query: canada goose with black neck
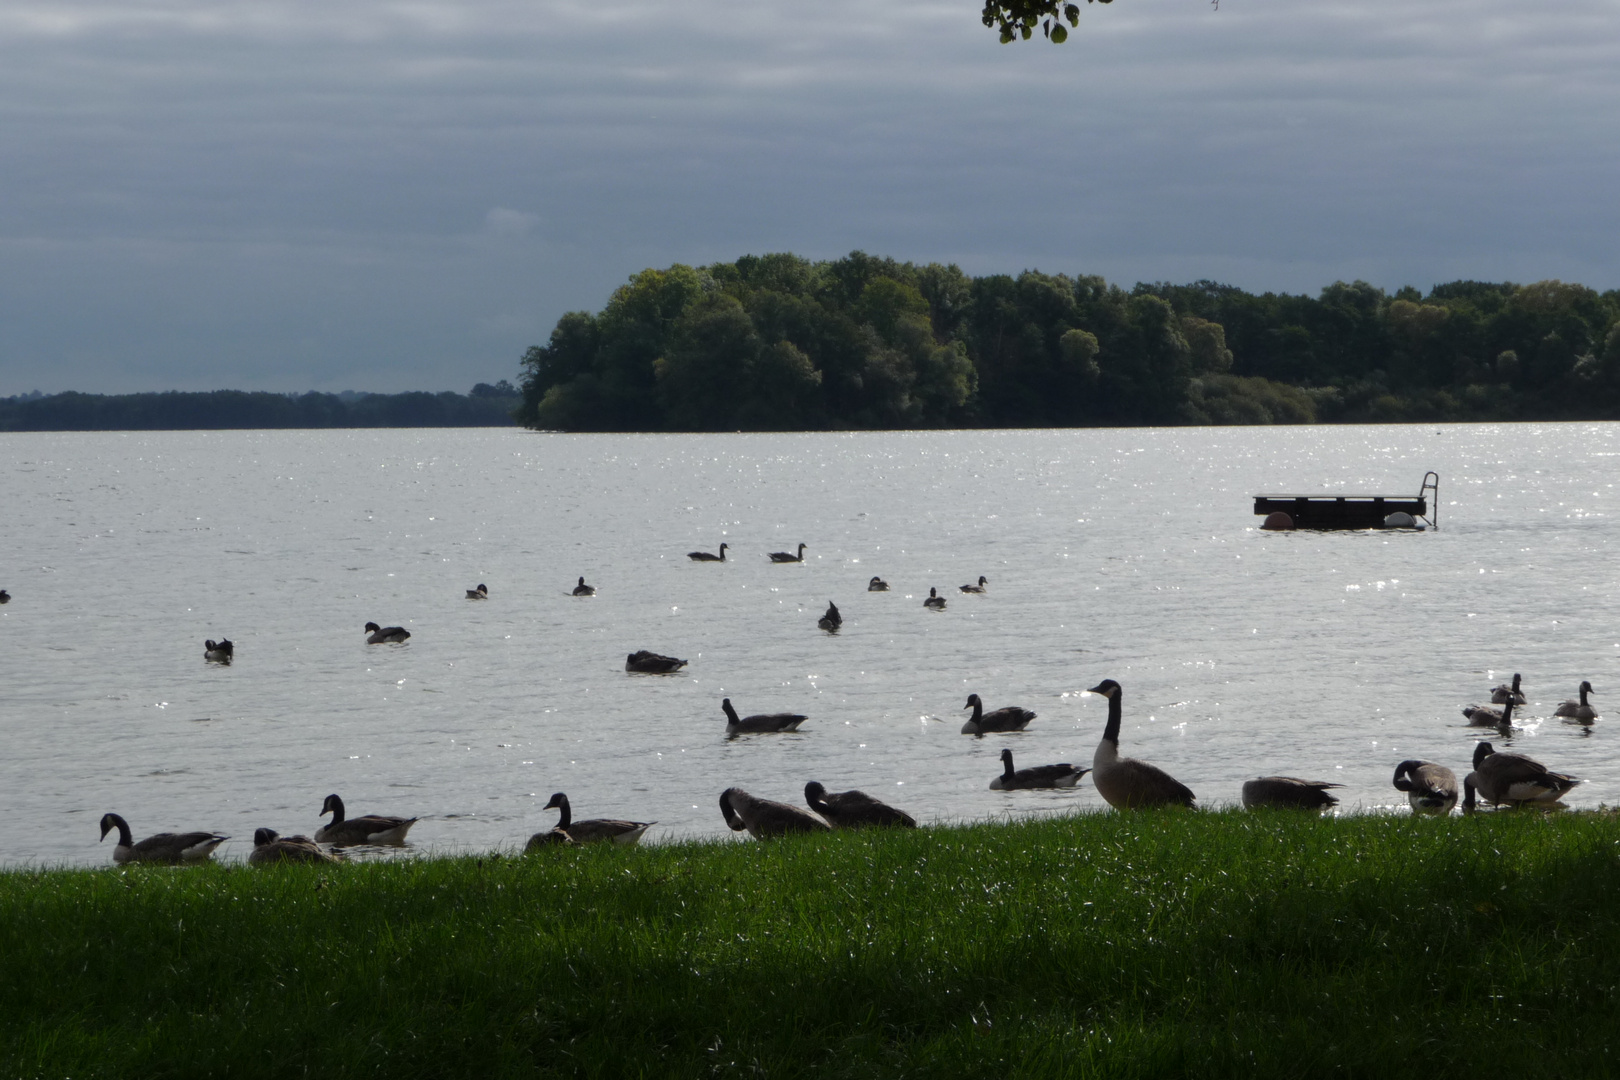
764 818
1512 779
1430 788
832 620
480 593
1126 783
788 556
650 663
370 829
707 556
1007 718
979 588
1503 694
219 652
1289 792
583 589
591 830
167 848
854 809
270 847
935 601
386 635
877 584
759 723
1040 776
1578 710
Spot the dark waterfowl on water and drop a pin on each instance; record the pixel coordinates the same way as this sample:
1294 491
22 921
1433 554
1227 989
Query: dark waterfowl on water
1040 776
877 584
762 722
1126 783
1512 779
370 829
651 663
935 601
480 593
979 588
1288 791
854 809
270 847
1007 718
219 652
764 818
591 830
167 848
788 556
390 635
1488 715
705 556
832 620
1430 788
5 597
1578 710
583 589
1503 694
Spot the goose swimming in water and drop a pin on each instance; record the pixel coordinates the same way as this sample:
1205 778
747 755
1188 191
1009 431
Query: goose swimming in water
651 663
1007 718
762 722
764 818
877 584
1288 791
166 847
583 589
270 847
5 597
935 601
591 830
705 556
787 556
1041 776
854 809
1511 779
1127 783
480 593
219 652
1430 788
1488 715
390 635
1503 694
1578 710
979 588
371 829
832 620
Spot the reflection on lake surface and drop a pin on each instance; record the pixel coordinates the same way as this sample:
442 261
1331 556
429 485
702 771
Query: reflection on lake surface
1129 554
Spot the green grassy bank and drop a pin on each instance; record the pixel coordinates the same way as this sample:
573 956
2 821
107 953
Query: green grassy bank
1151 944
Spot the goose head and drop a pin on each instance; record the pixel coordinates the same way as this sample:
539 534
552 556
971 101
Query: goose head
815 792
973 699
1108 688
1403 772
1481 752
334 806
372 628
1586 687
558 801
109 822
262 837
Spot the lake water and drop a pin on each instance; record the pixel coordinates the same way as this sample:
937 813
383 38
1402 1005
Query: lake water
1129 554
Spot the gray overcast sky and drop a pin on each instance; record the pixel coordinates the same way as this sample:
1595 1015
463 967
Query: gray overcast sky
308 194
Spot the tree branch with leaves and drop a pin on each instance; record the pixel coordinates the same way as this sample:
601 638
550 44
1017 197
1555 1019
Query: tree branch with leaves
1019 18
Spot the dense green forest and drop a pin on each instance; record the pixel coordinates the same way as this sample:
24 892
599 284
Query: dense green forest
486 406
777 342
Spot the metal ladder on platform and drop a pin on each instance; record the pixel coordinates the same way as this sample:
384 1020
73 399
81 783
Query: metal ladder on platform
1431 486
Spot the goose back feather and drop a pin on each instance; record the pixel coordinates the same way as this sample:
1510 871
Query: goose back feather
764 818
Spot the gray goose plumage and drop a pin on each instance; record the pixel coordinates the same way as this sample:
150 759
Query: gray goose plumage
877 584
1006 718
1430 788
1040 776
219 652
1578 710
764 818
979 588
370 829
651 663
167 848
591 830
1488 715
935 601
1290 792
390 635
1512 779
583 589
762 722
832 620
1503 694
270 847
1126 783
707 556
854 809
788 556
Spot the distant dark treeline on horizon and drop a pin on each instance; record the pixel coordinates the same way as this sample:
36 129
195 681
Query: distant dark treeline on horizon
486 406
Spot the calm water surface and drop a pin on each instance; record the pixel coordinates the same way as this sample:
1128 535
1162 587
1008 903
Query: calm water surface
1129 554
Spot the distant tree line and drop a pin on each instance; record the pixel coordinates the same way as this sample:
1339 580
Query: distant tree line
776 342
487 406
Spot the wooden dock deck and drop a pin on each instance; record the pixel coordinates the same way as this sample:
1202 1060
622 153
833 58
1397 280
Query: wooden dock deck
1350 511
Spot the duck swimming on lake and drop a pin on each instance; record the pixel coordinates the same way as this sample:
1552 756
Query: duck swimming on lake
788 556
1040 776
1290 792
1430 788
1007 718
591 830
389 635
219 652
650 663
704 556
759 723
979 588
1127 783
480 593
1578 710
935 601
167 848
877 584
583 589
764 818
370 829
854 809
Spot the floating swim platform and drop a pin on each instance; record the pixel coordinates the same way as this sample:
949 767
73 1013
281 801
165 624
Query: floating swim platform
1352 511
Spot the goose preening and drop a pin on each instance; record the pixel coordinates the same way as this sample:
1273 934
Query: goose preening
763 817
591 830
877 584
218 652
788 556
1503 694
935 601
1126 783
390 635
1512 779
1041 776
1288 791
832 620
762 722
166 847
1430 788
270 847
651 663
371 829
480 593
1578 710
1007 718
548 838
979 588
854 809
583 589
1488 715
707 556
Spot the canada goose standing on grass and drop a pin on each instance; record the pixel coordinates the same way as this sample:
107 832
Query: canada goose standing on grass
1041 776
979 588
219 652
480 593
1007 718
705 556
1578 710
165 847
788 556
592 830
270 847
650 663
935 601
1512 779
1288 791
1127 783
583 589
764 818
371 829
831 621
854 809
1503 694
877 584
386 635
1430 788
762 722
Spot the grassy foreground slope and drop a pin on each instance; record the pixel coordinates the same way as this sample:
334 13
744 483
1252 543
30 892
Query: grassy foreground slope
1152 944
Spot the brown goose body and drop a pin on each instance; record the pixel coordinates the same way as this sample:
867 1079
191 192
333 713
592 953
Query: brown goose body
1505 693
764 818
854 809
760 723
650 663
371 829
591 830
1039 776
788 556
270 847
979 588
707 556
1512 779
935 601
1288 791
1126 783
386 635
1578 710
1007 718
1430 788
167 848
1486 715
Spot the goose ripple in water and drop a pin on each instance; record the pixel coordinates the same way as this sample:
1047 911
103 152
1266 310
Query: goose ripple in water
643 662
1126 783
1430 788
583 589
1512 779
707 556
219 652
854 809
877 584
270 848
831 621
1290 792
979 588
480 593
1503 694
1041 776
1007 718
167 848
764 818
935 601
589 831
1578 711
370 829
759 723
788 556
386 635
